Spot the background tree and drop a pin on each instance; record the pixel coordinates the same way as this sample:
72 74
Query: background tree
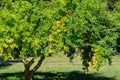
89 29
33 28
116 19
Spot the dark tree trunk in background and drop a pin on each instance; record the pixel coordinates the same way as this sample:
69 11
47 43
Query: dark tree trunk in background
118 45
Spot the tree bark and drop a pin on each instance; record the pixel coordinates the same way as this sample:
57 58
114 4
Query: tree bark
42 57
29 73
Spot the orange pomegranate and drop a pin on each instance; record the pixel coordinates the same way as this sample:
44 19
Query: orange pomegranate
59 22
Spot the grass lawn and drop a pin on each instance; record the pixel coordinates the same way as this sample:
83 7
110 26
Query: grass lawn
59 68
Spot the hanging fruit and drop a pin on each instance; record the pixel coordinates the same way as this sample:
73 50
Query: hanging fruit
59 22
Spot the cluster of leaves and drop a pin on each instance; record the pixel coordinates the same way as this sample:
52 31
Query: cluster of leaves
28 28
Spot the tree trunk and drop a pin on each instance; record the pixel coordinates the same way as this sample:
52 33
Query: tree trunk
27 72
28 75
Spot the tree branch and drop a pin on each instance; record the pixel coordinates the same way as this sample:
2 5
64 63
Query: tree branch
31 62
42 57
24 61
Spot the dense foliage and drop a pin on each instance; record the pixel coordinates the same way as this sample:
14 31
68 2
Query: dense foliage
34 28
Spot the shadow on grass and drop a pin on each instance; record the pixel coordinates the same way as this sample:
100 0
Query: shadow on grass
74 75
4 65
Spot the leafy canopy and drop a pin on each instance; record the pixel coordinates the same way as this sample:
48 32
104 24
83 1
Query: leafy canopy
50 26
